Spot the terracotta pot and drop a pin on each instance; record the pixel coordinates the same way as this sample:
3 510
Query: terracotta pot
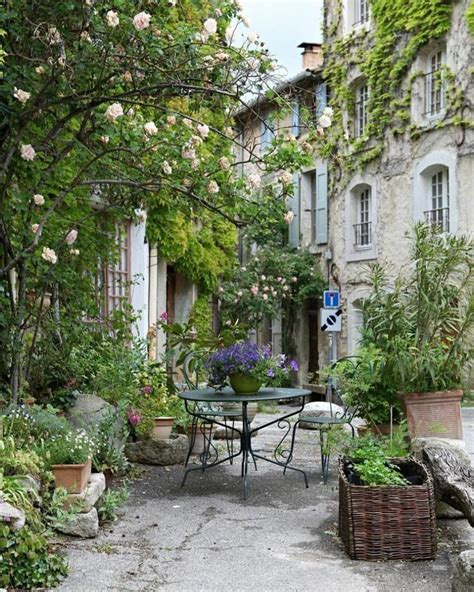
244 384
434 415
162 428
200 442
379 429
73 478
232 406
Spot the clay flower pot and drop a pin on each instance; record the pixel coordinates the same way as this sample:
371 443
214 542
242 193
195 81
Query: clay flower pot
73 478
203 434
434 415
162 428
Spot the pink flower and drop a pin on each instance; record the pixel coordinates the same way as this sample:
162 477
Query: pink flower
71 237
141 21
150 128
27 152
203 130
147 389
134 417
210 26
164 316
254 290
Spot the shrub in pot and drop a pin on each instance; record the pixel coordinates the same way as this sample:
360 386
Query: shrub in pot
422 325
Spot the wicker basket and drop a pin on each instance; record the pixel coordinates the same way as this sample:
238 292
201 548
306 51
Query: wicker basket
388 522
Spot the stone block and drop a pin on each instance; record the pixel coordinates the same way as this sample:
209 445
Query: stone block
463 574
11 515
172 451
85 526
85 501
457 447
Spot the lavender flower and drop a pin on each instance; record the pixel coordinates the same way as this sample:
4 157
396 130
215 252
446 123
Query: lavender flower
294 366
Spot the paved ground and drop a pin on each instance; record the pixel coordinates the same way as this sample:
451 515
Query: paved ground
205 537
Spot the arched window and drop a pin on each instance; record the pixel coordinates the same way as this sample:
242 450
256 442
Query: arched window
437 213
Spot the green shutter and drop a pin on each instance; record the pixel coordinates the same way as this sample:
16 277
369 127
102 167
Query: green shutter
294 206
322 204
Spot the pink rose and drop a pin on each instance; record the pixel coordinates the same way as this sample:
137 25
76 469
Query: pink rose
71 236
141 21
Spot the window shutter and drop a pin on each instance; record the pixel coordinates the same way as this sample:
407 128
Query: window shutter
322 204
321 98
294 206
295 118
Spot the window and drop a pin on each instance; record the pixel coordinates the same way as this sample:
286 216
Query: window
363 227
361 12
438 215
361 111
266 134
434 86
117 275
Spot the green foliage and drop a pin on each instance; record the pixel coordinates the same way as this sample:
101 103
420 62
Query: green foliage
200 316
110 502
421 325
470 17
110 437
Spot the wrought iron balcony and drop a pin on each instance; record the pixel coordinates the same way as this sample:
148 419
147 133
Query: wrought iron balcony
438 217
363 234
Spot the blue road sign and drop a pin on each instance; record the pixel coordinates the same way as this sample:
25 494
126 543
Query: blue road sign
331 299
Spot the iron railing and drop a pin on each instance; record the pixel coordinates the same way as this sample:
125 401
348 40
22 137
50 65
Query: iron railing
438 217
363 234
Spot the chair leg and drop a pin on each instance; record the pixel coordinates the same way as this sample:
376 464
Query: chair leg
290 454
323 442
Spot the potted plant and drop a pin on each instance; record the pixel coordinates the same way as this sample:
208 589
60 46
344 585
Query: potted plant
247 366
386 505
422 325
69 455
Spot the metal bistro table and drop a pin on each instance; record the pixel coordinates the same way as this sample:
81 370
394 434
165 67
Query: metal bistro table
281 457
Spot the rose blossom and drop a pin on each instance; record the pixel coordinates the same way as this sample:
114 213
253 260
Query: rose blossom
324 121
150 128
112 19
27 152
213 187
71 237
104 139
49 255
254 181
141 21
203 130
188 153
127 76
294 279
85 36
224 163
285 178
329 111
171 119
289 217
113 112
34 228
74 252
40 70
252 37
265 296
38 199
254 290
165 167
21 95
210 26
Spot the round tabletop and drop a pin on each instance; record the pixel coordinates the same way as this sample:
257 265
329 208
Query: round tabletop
211 395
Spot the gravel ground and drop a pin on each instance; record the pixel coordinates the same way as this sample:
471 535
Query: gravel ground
283 537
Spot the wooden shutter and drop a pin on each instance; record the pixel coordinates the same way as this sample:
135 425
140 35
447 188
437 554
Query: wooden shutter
322 204
294 229
321 99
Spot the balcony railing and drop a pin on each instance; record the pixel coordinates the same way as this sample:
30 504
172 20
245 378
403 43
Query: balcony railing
363 234
438 217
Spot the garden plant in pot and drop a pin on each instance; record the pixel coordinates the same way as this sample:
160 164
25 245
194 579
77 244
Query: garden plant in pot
386 505
248 366
422 326
69 456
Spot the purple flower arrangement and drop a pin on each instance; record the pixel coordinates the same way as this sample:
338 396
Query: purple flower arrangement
252 360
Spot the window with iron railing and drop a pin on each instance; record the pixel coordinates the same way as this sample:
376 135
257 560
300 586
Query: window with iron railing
434 85
361 12
438 215
363 228
361 110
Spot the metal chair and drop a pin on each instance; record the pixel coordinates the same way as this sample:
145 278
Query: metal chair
209 412
324 423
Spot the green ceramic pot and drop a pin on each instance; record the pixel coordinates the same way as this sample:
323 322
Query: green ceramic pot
244 384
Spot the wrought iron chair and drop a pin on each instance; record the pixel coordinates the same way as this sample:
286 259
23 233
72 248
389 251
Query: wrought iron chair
324 423
207 412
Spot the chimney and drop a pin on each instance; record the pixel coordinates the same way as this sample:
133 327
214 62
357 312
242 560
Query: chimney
312 55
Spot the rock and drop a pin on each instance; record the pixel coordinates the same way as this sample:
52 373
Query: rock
31 484
11 515
172 451
457 447
88 410
85 501
463 574
85 526
444 510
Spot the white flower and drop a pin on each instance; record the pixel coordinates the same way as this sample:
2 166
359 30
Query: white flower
210 26
172 3
40 70
285 178
195 163
222 56
38 199
27 152
254 181
273 65
188 123
85 36
203 130
21 95
127 76
74 251
224 163
265 296
49 255
54 36
324 121
213 187
188 153
171 120
286 288
195 141
252 37
113 112
35 228
71 237
289 216
165 167
263 277
141 21
104 139
112 19
329 111
150 128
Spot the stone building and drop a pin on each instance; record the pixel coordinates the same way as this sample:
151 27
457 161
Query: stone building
403 149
